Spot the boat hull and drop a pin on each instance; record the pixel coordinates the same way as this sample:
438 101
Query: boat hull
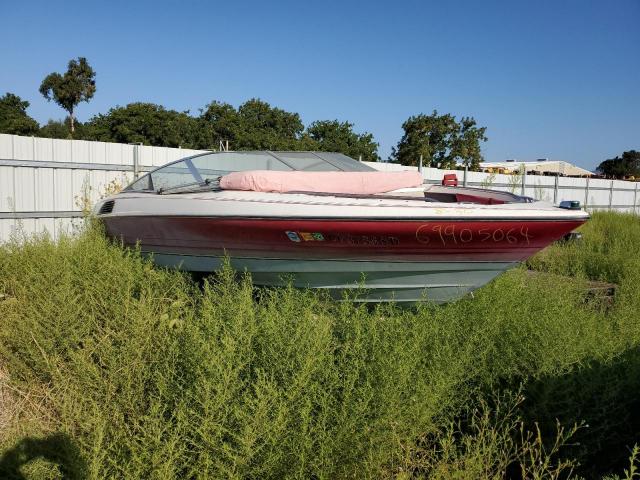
367 281
389 260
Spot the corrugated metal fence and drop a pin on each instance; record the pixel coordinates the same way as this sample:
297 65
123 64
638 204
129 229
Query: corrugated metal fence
44 183
593 193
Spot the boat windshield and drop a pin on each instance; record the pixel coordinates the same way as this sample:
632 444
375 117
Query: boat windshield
201 170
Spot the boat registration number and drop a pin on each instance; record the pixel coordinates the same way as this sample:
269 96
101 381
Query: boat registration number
453 234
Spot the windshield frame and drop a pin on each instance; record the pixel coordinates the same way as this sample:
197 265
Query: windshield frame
198 177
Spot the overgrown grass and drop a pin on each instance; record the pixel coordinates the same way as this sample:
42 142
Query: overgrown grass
122 370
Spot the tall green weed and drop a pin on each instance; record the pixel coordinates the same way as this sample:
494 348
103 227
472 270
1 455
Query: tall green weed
138 372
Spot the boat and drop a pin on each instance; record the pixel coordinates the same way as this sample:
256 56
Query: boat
326 221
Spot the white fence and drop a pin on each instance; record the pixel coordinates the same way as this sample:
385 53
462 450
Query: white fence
593 193
43 182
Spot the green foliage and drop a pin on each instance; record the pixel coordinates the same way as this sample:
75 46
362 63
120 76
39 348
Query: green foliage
255 125
335 136
441 140
608 252
76 85
14 118
62 129
56 129
148 375
607 385
621 167
491 442
263 127
634 471
221 123
146 123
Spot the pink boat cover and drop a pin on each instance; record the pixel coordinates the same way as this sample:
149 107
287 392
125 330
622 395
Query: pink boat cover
322 182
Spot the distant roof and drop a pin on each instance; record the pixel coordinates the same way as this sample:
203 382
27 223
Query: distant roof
542 166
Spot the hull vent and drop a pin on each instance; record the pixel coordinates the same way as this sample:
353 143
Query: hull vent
107 207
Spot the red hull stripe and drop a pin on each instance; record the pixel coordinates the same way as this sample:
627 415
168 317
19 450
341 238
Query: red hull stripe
404 218
410 240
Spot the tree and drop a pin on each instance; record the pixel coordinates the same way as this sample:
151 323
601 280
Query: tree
61 129
335 136
146 123
220 123
14 118
466 144
441 140
255 125
263 127
68 90
621 167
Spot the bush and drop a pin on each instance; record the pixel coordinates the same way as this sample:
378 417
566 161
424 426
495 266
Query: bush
138 372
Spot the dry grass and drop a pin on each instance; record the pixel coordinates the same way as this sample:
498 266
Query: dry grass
8 405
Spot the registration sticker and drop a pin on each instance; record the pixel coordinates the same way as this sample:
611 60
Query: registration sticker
305 236
293 236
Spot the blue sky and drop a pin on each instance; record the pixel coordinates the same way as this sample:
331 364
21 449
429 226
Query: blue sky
557 79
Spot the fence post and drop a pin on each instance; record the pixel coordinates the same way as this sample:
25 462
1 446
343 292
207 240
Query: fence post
36 173
135 162
524 181
611 195
635 198
464 178
586 194
136 159
420 165
555 190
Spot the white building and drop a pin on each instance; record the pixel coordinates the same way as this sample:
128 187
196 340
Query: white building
542 166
